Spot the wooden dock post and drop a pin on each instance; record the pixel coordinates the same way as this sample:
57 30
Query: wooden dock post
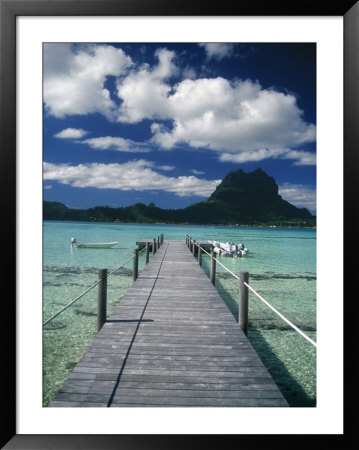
153 247
101 298
158 242
147 253
243 302
213 269
135 264
200 255
193 247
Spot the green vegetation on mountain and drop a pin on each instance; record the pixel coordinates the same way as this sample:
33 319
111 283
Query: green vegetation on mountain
242 198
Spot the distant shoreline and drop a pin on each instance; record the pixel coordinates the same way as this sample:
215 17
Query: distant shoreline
185 224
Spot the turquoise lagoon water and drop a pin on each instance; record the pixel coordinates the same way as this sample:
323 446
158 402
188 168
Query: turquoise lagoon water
282 269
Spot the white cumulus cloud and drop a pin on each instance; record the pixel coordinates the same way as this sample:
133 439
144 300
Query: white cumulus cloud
255 155
74 78
134 175
233 118
217 51
303 158
238 119
300 157
71 133
116 143
300 195
144 91
166 168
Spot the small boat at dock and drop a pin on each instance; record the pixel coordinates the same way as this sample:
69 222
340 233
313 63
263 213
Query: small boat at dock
229 249
75 244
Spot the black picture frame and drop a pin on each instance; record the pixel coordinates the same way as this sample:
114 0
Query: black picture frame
9 10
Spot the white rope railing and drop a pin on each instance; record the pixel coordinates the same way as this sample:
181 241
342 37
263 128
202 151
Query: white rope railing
119 267
259 296
88 290
281 316
235 276
71 303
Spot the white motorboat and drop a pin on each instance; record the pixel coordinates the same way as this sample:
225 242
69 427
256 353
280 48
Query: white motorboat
75 244
229 249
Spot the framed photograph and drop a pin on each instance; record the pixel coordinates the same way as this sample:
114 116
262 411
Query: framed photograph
147 107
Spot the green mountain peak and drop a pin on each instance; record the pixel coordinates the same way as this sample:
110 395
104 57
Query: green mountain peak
247 198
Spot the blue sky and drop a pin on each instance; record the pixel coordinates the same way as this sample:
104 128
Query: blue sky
164 123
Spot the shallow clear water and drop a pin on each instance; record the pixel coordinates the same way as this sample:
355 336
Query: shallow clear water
282 269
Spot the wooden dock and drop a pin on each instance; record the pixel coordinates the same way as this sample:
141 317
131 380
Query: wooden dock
141 243
172 342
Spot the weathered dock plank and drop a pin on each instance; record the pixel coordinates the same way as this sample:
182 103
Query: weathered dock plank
171 341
